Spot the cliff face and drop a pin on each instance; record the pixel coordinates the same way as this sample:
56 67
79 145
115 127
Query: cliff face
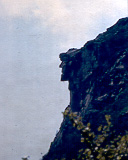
97 75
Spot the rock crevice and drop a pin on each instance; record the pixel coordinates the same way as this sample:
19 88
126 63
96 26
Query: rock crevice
97 75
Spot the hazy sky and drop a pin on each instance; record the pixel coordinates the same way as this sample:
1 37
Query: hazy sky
32 34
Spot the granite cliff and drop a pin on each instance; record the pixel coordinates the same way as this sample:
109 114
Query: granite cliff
97 75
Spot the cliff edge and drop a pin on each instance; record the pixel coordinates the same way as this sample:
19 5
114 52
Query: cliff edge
97 75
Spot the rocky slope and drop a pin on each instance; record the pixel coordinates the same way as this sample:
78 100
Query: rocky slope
97 75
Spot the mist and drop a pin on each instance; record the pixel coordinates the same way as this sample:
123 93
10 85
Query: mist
32 35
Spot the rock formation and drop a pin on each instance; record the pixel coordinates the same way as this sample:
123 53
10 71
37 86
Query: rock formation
97 75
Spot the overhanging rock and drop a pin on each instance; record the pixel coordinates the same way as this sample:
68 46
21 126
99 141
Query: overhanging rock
97 75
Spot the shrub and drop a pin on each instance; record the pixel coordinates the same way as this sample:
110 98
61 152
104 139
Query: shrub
104 146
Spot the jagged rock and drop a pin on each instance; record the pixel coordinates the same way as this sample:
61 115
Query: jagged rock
97 75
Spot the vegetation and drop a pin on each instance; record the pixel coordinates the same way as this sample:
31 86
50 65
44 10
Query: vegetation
104 146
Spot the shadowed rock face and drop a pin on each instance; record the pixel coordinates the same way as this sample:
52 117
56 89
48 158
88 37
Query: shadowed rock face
97 75
67 64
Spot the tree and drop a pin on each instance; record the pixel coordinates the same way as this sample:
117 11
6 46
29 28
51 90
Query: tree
104 146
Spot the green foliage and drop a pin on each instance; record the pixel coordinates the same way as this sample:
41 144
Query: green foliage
104 146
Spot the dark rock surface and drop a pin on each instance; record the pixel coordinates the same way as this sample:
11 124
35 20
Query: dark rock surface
98 76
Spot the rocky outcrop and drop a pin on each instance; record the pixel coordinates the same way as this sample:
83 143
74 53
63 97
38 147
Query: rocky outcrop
97 75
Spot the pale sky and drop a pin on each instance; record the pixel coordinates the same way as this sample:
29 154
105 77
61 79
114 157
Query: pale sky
32 34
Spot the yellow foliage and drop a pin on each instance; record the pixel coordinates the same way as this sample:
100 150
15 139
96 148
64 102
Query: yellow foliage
99 146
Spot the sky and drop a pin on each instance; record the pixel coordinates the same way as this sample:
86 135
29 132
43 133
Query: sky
32 35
